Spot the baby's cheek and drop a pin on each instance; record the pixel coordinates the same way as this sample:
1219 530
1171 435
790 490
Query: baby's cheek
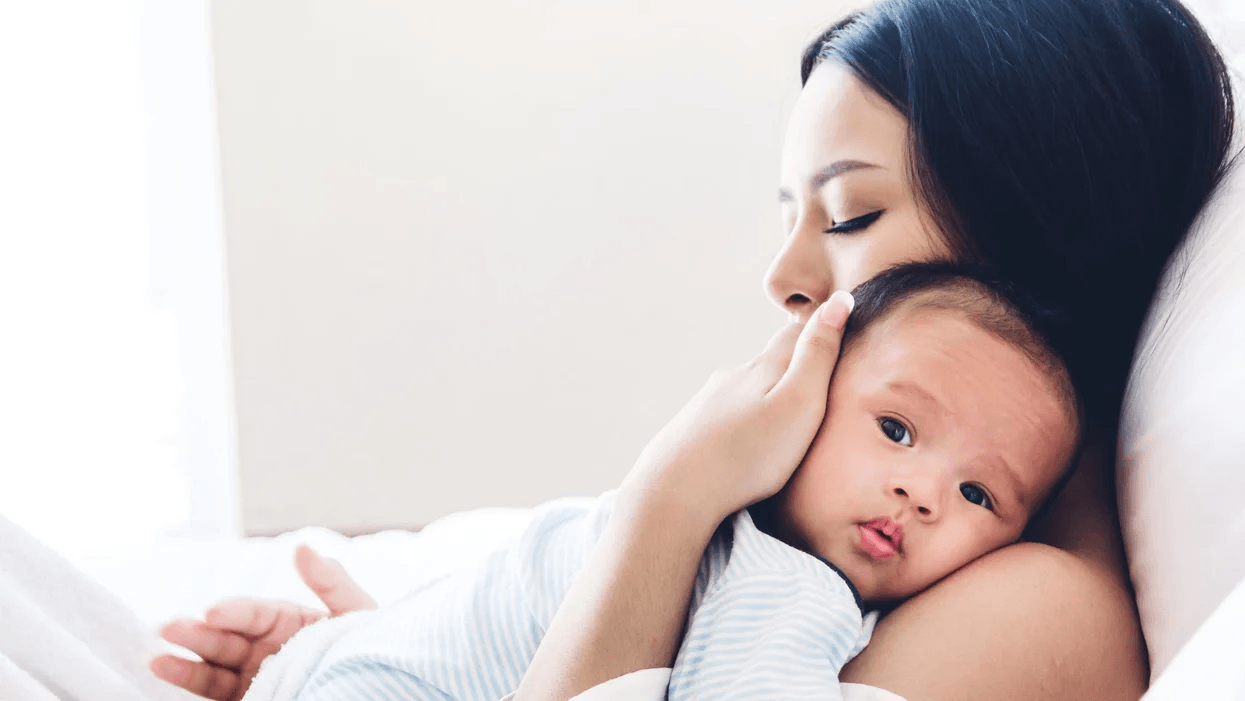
955 553
918 576
814 498
980 546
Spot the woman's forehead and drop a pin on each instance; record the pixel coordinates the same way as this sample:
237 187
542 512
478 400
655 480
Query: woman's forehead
837 117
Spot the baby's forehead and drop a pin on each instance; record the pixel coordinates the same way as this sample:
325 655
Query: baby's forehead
955 294
913 326
965 307
964 379
937 336
886 329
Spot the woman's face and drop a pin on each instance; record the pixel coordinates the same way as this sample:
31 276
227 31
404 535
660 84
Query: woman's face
849 209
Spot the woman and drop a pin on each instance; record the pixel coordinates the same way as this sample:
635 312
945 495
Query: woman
1067 143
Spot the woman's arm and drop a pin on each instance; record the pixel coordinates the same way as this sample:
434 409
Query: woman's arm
737 442
627 608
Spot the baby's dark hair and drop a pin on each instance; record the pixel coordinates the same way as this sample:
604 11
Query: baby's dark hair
993 304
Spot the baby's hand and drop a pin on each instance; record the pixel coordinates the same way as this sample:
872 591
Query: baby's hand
742 436
236 635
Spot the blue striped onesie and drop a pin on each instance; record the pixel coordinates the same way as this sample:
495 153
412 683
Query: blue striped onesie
767 621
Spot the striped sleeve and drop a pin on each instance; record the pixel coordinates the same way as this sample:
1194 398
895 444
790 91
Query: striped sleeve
774 623
371 681
471 636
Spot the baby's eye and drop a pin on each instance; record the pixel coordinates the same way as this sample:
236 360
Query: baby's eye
896 431
976 495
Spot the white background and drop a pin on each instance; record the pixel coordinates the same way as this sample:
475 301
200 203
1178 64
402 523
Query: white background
480 252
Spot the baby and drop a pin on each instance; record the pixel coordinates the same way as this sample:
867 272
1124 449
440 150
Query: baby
949 424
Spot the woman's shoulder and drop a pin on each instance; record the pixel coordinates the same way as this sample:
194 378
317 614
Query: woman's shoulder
1027 621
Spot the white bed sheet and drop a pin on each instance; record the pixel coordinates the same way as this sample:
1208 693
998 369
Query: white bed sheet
172 577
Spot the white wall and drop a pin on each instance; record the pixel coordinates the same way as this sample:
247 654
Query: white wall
479 252
1225 22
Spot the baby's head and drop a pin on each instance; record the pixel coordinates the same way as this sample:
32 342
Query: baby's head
949 423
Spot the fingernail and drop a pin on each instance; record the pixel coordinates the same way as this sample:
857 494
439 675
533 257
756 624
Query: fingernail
836 309
163 667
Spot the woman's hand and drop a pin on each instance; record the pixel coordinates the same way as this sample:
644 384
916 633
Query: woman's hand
236 635
736 442
741 437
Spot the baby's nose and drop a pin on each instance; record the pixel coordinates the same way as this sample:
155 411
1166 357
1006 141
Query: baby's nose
921 496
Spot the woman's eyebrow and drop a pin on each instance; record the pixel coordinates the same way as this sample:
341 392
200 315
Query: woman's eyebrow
825 175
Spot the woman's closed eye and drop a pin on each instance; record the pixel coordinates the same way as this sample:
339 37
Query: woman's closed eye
975 494
853 225
894 430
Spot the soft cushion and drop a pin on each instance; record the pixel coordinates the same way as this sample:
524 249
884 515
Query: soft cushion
1181 473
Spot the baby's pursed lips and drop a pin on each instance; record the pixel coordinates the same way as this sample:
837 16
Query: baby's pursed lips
889 529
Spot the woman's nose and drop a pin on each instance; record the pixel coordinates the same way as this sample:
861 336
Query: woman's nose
799 278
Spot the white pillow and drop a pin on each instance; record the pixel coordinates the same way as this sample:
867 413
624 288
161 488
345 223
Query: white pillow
1224 20
1209 667
1181 473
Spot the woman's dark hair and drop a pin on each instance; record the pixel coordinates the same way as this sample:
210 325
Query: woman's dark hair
1066 144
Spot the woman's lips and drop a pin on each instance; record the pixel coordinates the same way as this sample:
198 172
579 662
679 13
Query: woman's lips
881 537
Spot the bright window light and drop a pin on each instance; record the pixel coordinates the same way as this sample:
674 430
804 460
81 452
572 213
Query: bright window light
90 388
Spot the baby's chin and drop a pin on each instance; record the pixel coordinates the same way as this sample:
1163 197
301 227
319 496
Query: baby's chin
880 584
878 598
877 584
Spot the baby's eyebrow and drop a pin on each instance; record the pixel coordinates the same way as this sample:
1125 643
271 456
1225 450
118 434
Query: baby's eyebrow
918 394
998 464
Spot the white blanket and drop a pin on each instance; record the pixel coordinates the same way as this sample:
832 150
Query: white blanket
63 637
282 676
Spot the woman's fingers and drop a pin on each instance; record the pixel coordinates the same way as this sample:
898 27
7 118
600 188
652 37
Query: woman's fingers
329 580
219 647
199 678
817 349
777 354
